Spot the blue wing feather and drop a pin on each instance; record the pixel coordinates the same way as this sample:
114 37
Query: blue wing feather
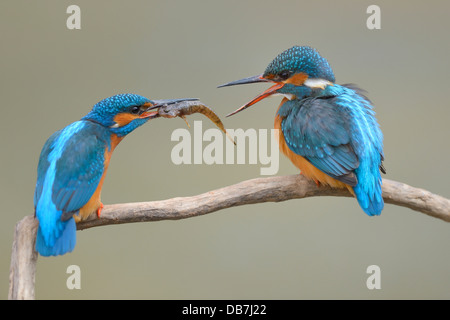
79 170
337 132
43 166
318 131
69 171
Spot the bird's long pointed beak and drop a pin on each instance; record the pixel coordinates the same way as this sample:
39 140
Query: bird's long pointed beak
160 103
273 89
253 79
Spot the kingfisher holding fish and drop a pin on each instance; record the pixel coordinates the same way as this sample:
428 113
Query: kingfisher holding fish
189 107
74 160
328 131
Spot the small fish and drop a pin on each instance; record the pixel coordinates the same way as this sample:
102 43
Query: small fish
188 107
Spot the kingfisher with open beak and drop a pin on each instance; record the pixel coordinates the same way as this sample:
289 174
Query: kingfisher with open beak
73 164
328 131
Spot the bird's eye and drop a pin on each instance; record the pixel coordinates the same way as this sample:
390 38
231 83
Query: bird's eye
135 109
284 74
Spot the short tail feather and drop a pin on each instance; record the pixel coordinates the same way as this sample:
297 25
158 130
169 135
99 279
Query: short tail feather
64 244
373 203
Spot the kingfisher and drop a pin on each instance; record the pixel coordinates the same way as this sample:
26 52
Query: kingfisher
328 131
73 164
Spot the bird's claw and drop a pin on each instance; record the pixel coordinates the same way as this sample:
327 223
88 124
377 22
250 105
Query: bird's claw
99 210
315 180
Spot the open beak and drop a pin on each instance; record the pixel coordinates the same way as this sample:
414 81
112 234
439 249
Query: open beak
149 113
259 78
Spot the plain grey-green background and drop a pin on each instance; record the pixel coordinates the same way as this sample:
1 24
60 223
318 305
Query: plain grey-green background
316 248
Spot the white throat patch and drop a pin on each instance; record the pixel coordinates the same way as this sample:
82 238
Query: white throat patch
317 83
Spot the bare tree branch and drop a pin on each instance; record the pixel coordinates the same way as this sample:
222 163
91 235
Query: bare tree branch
272 189
23 260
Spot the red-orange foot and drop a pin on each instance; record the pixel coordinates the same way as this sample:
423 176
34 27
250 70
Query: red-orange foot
99 210
316 181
